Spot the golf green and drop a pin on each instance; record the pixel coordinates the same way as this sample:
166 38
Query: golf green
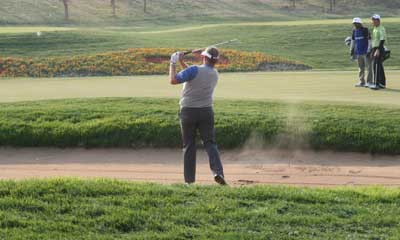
329 86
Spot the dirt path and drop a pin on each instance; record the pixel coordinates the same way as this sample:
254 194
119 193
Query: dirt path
241 167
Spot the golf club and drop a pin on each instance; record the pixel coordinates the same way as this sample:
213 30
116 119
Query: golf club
215 45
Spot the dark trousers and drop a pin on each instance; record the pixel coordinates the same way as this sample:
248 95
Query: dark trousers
378 69
193 120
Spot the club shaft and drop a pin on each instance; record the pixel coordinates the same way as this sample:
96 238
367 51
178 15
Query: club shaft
217 44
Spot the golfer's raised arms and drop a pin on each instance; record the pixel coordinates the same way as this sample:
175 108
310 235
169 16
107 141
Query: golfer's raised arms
188 74
172 68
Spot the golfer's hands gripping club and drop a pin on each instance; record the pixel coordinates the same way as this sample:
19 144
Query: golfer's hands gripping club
176 57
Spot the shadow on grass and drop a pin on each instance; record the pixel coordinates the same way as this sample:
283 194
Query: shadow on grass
392 90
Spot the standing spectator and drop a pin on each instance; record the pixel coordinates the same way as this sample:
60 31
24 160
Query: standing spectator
378 53
360 49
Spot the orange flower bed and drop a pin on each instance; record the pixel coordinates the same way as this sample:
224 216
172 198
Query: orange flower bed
140 61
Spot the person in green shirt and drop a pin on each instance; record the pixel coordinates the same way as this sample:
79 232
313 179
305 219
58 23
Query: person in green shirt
378 52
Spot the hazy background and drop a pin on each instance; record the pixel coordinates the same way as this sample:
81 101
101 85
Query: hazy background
167 12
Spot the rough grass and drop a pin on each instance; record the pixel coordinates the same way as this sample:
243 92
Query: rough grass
105 209
131 12
154 123
314 43
173 12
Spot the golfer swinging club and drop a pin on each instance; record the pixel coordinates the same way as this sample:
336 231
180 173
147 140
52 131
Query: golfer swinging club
196 110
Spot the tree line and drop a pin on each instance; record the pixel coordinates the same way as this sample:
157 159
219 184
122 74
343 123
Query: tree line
113 5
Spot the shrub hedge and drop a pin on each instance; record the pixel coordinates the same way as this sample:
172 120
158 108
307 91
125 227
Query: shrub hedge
138 61
147 122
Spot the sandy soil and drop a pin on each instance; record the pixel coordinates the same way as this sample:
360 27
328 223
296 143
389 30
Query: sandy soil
244 167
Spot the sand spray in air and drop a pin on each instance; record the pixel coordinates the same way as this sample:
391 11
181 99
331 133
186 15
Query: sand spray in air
295 134
289 143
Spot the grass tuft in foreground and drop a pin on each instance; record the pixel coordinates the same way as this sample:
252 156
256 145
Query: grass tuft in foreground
106 209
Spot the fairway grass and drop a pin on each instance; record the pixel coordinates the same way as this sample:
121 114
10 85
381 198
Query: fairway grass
106 209
156 29
33 29
328 87
318 44
183 27
300 23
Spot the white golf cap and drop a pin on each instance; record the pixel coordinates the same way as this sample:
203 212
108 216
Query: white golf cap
211 53
376 17
357 20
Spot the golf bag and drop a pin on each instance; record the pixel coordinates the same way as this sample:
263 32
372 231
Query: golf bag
386 54
347 41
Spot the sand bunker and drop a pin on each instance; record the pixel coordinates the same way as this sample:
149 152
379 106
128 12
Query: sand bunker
304 168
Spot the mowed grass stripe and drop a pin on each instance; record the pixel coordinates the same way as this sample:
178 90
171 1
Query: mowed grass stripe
181 27
33 29
106 209
271 23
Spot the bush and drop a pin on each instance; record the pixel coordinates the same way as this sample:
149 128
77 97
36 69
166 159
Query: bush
146 122
141 61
